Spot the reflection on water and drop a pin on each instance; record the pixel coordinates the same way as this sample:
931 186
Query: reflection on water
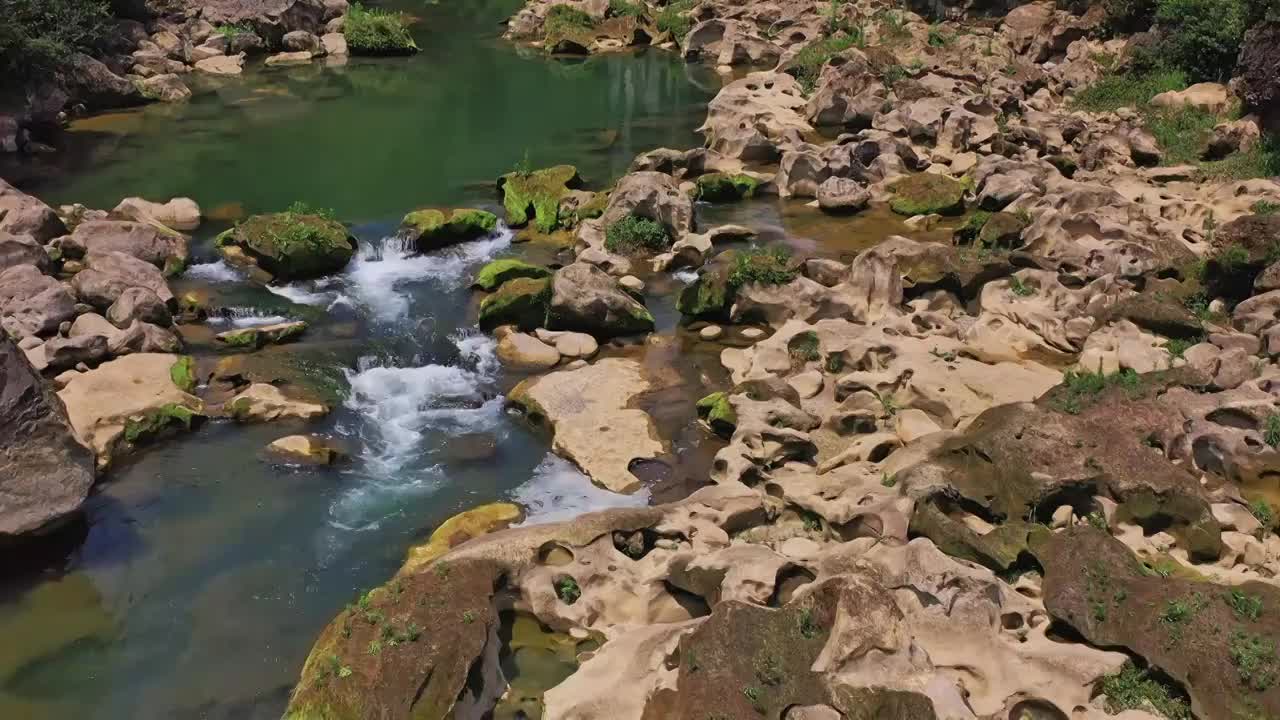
206 573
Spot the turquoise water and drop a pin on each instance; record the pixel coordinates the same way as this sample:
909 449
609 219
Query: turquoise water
201 574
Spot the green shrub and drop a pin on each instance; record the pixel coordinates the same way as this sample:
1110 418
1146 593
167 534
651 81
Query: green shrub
937 38
633 235
1203 36
370 31
1133 689
1129 16
1118 90
767 266
673 19
622 8
1265 207
565 19
231 32
41 34
807 64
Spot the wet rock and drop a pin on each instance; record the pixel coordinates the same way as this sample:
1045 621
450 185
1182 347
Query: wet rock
127 401
45 472
586 299
253 338
927 193
164 88
651 195
334 44
261 402
177 214
522 302
304 450
471 447
32 303
570 344
289 58
315 245
496 272
142 337
300 41
525 352
429 230
587 410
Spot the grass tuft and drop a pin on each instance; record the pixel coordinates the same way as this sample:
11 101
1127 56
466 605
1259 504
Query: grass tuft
767 266
1134 689
634 235
372 31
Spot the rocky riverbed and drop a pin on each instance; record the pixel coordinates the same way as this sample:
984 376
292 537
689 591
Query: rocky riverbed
998 444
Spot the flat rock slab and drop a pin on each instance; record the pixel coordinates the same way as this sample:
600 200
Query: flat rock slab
587 409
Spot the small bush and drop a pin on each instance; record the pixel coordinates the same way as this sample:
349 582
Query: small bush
42 34
673 19
1265 208
1261 510
1134 90
634 234
1181 132
622 8
565 19
231 32
937 38
1129 16
807 64
370 31
767 266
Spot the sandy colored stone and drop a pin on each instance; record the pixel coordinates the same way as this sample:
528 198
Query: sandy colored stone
261 402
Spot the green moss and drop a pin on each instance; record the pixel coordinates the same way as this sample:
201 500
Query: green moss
807 64
151 423
635 235
567 590
723 187
497 272
972 227
708 296
1134 689
564 20
718 413
370 31
433 229
183 373
535 195
522 302
245 338
926 194
289 245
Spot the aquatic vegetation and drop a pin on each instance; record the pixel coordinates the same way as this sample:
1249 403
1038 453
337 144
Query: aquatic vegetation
372 31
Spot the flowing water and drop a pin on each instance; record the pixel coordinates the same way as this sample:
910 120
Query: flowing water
201 574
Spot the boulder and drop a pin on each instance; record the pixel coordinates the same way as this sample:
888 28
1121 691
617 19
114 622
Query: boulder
222 64
152 243
842 195
271 20
534 195
520 351
164 88
752 119
289 245
334 44
651 195
586 299
1259 81
429 230
127 401
521 302
177 214
108 274
304 450
926 194
300 41
261 402
45 472
22 214
64 353
588 410
137 303
22 250
1213 98
495 273
1231 137
142 337
289 58
32 303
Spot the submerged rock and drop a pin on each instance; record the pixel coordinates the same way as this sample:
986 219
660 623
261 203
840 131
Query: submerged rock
289 245
45 472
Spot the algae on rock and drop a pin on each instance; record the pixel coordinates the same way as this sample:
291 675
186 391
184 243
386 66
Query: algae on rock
534 196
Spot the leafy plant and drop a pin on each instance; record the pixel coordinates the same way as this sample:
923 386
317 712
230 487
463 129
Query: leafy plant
37 35
633 235
622 8
299 207
1261 509
1244 605
233 31
1019 288
673 18
1265 207
804 347
565 19
567 590
1130 89
1177 347
1079 385
937 38
808 625
767 266
807 64
1201 37
1255 659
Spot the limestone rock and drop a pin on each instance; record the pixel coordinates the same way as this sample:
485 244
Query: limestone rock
178 213
22 214
587 410
304 450
32 303
585 299
150 243
45 472
525 352
261 402
107 275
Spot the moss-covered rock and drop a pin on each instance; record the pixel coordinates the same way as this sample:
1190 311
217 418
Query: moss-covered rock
458 529
725 187
718 412
494 274
927 193
535 196
1003 230
288 245
372 31
522 302
431 230
152 423
710 296
183 373
252 338
1218 641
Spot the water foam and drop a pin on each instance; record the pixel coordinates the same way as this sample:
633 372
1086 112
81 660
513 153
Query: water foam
559 491
217 271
